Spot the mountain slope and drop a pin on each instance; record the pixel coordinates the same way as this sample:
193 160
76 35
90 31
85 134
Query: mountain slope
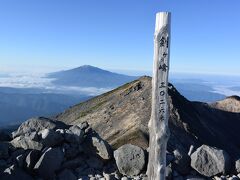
122 115
89 76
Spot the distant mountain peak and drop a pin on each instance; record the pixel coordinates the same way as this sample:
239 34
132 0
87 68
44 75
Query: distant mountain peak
230 104
90 76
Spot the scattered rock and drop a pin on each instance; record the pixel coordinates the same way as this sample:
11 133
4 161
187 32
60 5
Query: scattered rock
26 143
49 162
210 161
130 159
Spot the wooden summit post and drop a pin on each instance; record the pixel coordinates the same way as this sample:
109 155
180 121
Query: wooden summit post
158 124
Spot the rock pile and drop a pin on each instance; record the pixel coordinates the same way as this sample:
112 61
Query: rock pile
42 148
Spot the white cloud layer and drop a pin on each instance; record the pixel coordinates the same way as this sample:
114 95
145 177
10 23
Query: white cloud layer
38 81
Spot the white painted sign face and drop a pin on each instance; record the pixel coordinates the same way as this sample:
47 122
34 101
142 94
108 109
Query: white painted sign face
163 68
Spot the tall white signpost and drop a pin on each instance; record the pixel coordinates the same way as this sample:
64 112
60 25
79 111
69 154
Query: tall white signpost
158 124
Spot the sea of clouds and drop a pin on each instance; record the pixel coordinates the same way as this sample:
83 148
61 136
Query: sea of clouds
39 81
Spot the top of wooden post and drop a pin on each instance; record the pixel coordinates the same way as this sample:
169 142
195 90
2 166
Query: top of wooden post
162 19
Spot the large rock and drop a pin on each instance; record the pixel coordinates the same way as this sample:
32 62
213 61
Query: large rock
26 142
50 137
49 162
38 124
4 150
210 161
130 159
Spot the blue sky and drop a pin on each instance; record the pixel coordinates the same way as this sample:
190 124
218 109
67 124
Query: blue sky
49 35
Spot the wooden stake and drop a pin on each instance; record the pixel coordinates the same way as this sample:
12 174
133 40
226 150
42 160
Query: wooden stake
158 124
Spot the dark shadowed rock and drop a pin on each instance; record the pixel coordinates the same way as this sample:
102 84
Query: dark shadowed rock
95 163
66 175
49 162
210 161
130 159
26 143
4 150
50 137
72 150
181 162
38 124
32 159
73 163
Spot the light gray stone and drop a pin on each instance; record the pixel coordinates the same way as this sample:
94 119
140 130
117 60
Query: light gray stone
210 161
26 143
130 159
102 148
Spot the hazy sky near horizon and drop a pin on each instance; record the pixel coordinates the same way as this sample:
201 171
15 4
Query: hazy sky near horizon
50 35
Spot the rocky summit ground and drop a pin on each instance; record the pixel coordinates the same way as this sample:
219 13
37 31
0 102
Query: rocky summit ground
107 138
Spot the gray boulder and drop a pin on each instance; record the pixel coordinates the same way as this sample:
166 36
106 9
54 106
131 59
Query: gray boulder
50 138
4 150
26 142
49 162
130 159
66 175
38 124
210 161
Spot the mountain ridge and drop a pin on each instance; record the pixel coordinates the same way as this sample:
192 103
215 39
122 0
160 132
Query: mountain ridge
122 115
